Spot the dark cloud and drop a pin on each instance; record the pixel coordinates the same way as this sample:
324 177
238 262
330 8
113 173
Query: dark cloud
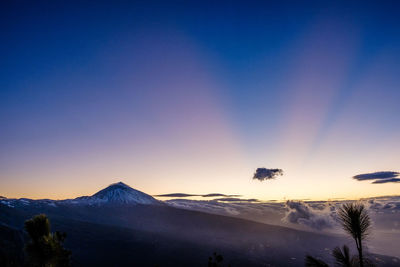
235 199
392 180
379 177
302 213
194 195
262 174
177 195
376 175
219 195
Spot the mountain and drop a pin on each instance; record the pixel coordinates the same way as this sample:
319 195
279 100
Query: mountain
120 226
119 193
115 194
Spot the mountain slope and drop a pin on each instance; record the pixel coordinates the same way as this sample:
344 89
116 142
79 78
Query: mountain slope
120 193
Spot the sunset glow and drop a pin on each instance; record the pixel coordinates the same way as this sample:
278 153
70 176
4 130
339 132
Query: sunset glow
177 99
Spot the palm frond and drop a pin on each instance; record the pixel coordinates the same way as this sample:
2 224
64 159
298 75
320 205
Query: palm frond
355 220
342 257
310 261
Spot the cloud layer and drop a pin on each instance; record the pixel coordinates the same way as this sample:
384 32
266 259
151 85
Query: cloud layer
262 174
317 215
177 195
235 199
196 195
379 177
316 218
219 195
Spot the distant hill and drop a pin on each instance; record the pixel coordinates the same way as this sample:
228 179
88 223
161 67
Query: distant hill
121 227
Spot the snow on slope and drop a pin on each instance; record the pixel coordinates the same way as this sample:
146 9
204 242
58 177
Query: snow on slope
124 194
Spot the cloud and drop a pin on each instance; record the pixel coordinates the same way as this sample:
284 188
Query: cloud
302 213
194 195
392 180
379 177
234 199
382 204
373 204
219 195
221 208
318 215
177 195
262 174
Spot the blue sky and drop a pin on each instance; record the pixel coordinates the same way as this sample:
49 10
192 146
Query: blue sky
169 96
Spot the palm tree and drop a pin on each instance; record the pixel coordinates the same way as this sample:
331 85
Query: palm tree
314 262
343 257
356 222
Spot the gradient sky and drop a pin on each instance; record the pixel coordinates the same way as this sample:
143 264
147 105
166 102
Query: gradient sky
178 96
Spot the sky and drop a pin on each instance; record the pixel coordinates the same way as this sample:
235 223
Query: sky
194 96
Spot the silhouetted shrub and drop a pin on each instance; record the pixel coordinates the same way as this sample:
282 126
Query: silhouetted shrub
215 260
45 248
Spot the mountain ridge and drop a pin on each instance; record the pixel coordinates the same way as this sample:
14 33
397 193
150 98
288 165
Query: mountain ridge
117 193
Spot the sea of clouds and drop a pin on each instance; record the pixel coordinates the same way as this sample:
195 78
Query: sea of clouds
319 216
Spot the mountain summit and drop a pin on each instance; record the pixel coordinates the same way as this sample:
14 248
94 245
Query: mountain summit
120 193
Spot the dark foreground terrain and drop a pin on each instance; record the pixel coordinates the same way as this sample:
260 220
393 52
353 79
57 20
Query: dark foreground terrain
121 226
158 235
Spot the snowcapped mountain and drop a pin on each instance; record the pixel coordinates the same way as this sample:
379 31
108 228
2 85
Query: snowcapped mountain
124 194
115 194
